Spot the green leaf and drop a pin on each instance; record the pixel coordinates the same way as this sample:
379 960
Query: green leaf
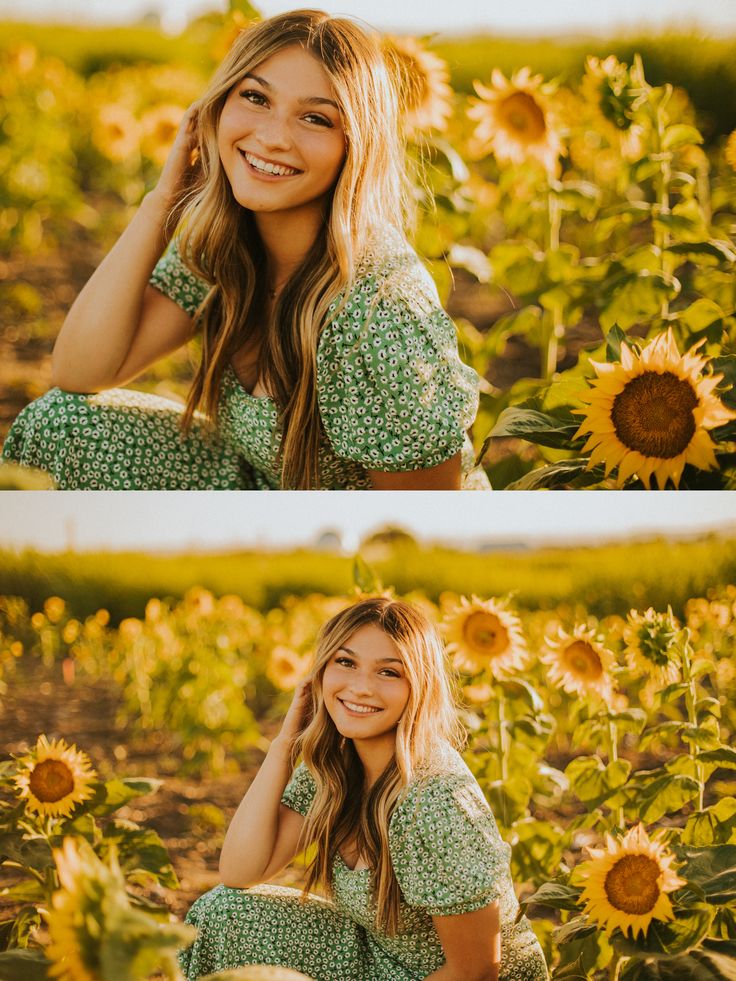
364 577
717 248
244 7
518 688
701 314
118 792
557 895
575 929
698 965
574 971
537 427
666 795
31 853
614 339
716 825
23 965
723 757
594 782
680 134
665 939
25 891
712 869
558 475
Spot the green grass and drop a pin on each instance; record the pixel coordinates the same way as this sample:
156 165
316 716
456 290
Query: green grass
604 579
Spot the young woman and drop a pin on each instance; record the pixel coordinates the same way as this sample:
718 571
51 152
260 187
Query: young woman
403 841
326 358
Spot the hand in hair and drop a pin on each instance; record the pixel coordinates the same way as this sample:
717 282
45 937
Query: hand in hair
298 716
182 162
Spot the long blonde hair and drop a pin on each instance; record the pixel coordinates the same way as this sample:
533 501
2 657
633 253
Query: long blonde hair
340 811
220 243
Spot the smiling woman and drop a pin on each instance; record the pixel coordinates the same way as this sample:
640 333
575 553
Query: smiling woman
326 358
402 840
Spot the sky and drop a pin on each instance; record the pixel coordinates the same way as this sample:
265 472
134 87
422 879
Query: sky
182 521
418 16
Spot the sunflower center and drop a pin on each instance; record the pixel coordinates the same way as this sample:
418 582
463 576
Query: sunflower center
582 659
653 415
631 885
484 632
522 114
50 781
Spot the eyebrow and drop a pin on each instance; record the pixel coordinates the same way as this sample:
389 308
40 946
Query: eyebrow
312 100
381 660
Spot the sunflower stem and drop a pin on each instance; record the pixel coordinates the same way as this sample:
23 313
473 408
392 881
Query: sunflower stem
691 697
552 318
612 757
503 737
614 968
664 176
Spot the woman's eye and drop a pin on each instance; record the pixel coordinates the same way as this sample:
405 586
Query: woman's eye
390 674
319 120
257 98
344 661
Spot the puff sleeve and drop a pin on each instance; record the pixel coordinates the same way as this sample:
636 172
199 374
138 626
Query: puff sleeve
174 279
300 790
393 392
446 850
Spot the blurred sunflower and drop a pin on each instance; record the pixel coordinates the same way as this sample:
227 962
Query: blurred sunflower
286 668
116 133
649 413
652 649
626 883
424 84
159 127
484 635
53 778
579 663
514 120
54 608
616 92
92 924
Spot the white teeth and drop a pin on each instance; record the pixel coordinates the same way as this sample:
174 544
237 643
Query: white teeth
366 709
269 168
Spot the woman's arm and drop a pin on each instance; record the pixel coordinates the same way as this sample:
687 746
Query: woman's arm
445 476
263 835
119 325
472 945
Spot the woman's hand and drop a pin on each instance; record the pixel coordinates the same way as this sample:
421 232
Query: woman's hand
182 162
298 716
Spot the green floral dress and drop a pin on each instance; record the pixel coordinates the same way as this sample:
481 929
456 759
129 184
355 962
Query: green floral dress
448 858
393 396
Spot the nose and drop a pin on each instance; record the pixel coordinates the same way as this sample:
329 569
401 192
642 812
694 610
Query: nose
273 133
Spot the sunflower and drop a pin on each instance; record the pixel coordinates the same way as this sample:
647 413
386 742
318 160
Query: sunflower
485 634
92 924
286 668
652 651
54 778
626 883
160 126
514 120
616 91
649 413
116 133
578 663
424 84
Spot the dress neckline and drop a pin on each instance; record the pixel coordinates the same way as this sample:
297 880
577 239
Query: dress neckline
264 399
355 871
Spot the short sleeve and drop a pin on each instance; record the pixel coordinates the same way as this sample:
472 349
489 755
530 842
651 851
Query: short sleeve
393 392
174 279
446 850
300 790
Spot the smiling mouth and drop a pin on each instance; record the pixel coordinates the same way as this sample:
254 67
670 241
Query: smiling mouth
359 709
266 167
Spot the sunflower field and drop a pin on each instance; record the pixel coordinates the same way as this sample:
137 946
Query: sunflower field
603 744
579 229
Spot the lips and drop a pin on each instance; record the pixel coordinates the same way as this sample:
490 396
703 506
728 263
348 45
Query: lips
268 168
356 708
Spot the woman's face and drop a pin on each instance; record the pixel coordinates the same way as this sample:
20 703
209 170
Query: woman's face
280 136
364 685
